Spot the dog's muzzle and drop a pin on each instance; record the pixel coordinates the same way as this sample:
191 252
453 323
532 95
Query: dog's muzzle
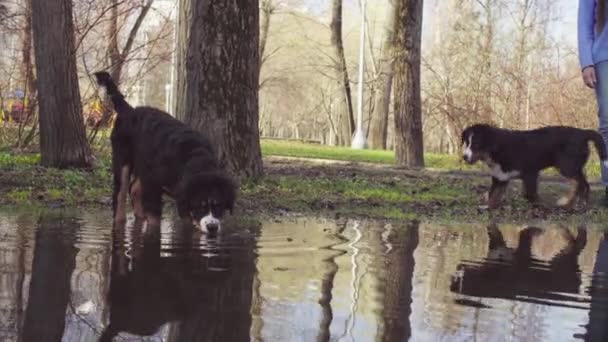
210 224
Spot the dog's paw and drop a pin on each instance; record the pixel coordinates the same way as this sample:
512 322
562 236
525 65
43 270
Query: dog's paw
563 201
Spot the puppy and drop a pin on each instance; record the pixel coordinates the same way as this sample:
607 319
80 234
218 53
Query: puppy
155 154
523 154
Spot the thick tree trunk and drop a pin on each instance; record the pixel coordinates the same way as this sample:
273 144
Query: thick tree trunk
379 120
218 78
346 119
62 136
408 112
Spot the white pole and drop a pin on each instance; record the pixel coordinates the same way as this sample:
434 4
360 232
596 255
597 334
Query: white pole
359 140
171 101
168 98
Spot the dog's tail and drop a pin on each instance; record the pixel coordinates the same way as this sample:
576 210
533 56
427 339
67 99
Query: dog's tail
121 106
599 143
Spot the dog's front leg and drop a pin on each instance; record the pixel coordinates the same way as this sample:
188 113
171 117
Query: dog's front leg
136 199
530 182
119 200
497 190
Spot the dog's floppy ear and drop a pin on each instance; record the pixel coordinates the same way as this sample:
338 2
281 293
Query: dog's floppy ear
463 136
204 184
226 189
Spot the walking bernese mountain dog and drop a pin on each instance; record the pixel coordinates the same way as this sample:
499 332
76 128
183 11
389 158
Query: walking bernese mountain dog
155 154
523 154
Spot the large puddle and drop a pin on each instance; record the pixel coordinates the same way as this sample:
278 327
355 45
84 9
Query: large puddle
64 278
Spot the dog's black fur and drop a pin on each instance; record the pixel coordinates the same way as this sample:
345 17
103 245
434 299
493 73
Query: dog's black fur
165 157
523 154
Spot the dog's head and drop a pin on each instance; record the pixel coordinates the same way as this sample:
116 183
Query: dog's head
478 142
204 197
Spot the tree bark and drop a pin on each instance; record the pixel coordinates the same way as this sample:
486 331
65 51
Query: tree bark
218 79
409 149
62 136
345 117
379 120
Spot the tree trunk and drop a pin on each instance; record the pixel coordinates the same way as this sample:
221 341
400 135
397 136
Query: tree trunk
346 116
379 120
62 136
408 112
268 9
29 79
218 79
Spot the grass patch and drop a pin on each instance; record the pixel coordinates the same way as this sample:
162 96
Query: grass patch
330 190
282 148
10 160
271 147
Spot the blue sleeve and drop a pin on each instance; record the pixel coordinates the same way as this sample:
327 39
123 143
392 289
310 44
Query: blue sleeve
586 35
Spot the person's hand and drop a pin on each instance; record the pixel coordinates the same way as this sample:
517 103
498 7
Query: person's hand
589 76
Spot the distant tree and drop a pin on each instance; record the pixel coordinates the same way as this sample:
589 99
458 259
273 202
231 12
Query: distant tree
378 131
409 149
343 108
3 10
118 56
218 78
62 136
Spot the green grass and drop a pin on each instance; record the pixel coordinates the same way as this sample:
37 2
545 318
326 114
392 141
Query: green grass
281 148
271 147
333 192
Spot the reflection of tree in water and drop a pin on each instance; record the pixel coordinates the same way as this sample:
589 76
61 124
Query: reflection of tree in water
327 284
397 286
49 292
13 248
207 298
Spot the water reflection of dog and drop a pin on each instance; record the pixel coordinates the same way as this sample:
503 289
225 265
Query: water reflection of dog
512 273
185 289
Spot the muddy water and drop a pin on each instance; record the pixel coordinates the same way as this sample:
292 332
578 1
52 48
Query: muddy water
69 277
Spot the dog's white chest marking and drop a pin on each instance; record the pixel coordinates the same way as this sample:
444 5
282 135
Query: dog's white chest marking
468 152
497 172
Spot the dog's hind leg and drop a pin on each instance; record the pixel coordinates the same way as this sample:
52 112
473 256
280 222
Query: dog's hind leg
136 199
583 190
119 194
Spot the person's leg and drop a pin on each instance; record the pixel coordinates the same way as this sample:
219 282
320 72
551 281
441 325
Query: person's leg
601 90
